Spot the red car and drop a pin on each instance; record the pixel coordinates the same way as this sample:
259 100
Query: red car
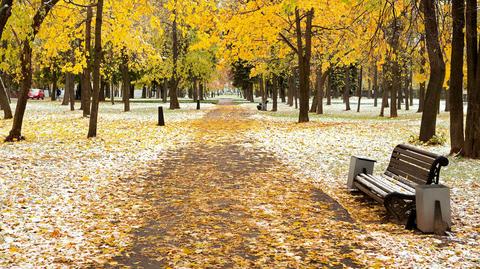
36 94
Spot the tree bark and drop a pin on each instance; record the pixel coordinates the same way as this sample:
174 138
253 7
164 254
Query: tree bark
103 88
92 130
276 85
125 82
304 55
346 90
437 72
174 104
472 126
329 87
421 94
291 90
53 96
359 91
70 90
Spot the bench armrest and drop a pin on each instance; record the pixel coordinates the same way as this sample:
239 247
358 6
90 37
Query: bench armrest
359 165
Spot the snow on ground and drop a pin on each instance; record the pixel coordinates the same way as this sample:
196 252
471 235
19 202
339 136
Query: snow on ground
65 199
321 150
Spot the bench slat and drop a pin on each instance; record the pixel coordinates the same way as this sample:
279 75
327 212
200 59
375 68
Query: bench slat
401 182
378 183
415 155
406 176
395 185
409 168
419 151
370 191
417 162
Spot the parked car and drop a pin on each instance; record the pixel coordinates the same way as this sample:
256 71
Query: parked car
36 94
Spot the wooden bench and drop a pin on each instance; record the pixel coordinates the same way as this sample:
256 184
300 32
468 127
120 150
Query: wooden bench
408 167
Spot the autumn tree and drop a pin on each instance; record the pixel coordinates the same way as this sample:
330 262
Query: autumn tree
41 11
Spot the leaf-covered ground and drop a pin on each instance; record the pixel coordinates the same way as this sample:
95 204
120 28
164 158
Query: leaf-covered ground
226 186
321 150
63 198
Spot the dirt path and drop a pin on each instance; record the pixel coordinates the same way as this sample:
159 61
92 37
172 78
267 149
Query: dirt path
223 203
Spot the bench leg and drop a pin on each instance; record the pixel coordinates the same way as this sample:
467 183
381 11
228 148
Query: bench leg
399 205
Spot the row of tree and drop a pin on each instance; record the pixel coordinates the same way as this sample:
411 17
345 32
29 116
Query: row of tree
102 45
394 44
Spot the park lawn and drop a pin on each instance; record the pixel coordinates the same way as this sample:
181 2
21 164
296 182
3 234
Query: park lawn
321 150
67 199
73 201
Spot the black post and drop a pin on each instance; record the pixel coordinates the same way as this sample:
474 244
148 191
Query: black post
161 119
198 104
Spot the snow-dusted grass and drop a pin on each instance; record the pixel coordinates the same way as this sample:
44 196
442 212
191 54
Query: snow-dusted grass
66 200
321 150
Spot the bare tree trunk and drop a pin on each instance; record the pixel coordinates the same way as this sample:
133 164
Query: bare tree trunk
472 132
126 84
304 56
291 90
70 90
359 91
276 85
112 91
437 72
329 88
53 95
346 91
421 94
92 130
174 104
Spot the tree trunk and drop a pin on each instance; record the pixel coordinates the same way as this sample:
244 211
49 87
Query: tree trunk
359 91
346 91
174 104
291 90
125 82
437 72
53 96
276 85
329 88
395 84
421 94
70 89
304 56
26 82
5 102
92 130
103 88
113 89
164 90
447 100
282 89
472 130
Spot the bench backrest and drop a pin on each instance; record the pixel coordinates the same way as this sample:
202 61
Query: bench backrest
415 165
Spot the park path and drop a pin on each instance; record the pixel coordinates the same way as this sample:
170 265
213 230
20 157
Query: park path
223 203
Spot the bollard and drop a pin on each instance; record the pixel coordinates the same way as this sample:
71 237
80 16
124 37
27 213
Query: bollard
161 119
198 104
